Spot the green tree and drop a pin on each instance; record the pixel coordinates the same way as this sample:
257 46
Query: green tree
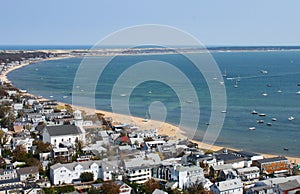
94 191
198 189
87 176
20 154
3 138
42 147
110 187
6 115
151 185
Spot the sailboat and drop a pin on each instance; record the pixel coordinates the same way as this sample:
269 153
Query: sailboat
236 84
225 73
146 119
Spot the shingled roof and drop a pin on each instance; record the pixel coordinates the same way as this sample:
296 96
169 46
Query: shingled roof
63 130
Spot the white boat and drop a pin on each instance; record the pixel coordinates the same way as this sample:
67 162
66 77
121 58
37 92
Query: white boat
265 94
264 71
146 119
262 115
236 84
254 112
291 118
260 121
225 73
149 92
274 119
252 128
223 111
51 96
279 91
123 95
298 92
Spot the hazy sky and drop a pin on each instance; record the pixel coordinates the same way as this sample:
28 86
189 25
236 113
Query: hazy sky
213 22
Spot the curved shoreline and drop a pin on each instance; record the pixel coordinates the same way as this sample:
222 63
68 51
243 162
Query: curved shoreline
163 129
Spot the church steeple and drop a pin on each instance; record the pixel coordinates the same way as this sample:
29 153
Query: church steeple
78 121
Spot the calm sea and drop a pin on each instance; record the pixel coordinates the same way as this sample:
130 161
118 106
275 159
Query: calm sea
55 78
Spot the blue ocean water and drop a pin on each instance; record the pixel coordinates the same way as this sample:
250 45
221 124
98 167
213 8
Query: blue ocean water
55 78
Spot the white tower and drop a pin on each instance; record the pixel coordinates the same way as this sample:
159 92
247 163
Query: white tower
78 121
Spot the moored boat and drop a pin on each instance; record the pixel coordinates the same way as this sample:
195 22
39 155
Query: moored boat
254 112
260 121
252 128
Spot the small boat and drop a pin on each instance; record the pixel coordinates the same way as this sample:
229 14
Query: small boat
265 94
264 71
149 92
298 92
291 118
189 101
225 73
279 91
252 128
65 97
51 96
146 119
260 121
254 112
269 85
298 84
274 119
269 124
123 95
286 149
221 83
236 84
262 115
223 111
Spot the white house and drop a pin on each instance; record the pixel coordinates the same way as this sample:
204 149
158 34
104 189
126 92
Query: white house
233 186
109 170
28 173
187 176
138 169
62 133
249 173
25 142
66 173
18 106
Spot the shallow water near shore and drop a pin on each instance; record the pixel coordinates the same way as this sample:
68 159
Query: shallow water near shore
55 78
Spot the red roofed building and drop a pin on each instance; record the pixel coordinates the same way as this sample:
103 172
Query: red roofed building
121 140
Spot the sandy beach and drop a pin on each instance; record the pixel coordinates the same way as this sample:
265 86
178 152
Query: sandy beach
163 128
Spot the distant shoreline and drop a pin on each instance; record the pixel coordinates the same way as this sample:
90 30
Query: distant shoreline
166 128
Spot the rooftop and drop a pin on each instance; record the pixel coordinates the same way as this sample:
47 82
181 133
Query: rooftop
63 130
274 159
229 184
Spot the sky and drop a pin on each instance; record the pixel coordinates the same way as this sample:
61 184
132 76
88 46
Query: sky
212 22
